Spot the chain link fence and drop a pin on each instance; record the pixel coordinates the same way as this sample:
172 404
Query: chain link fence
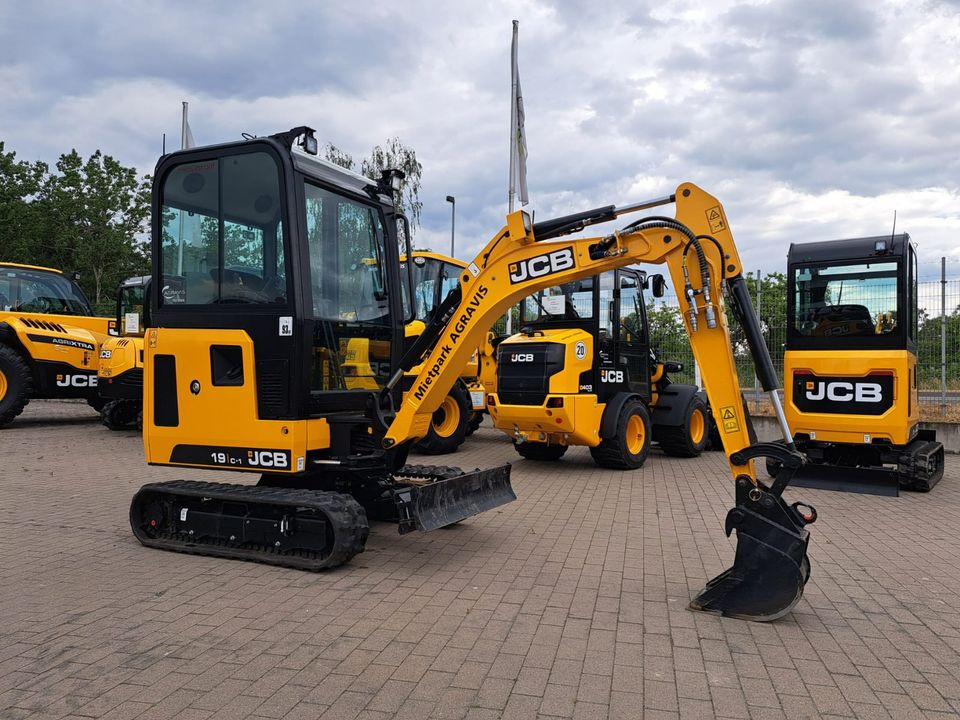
938 342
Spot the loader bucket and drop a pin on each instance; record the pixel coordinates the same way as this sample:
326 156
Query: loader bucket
770 567
447 500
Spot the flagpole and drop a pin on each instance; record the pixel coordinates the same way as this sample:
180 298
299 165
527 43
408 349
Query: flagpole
513 120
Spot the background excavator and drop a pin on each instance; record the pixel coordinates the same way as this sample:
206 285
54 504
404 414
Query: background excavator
850 367
583 353
49 339
246 314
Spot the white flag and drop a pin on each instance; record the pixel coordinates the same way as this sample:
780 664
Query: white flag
186 136
521 148
518 138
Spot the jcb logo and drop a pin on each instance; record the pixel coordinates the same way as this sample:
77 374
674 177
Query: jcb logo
611 376
547 264
521 357
79 381
267 458
840 391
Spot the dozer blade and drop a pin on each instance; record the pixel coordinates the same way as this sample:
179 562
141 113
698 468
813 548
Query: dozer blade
434 497
863 480
770 567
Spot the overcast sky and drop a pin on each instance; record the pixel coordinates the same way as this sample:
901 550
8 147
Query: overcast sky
808 119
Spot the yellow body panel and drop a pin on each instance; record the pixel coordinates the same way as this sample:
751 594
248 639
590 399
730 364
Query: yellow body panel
71 339
118 355
219 417
896 425
578 421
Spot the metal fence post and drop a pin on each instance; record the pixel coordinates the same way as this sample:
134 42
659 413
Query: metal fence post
756 381
943 336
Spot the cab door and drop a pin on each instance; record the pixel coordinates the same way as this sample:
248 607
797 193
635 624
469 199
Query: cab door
633 348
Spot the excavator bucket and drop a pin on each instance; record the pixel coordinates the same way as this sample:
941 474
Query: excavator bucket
770 567
434 497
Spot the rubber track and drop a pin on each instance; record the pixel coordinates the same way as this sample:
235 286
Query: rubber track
345 514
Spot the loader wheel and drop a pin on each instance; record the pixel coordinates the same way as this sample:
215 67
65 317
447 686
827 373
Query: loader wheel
476 420
449 426
692 437
630 444
16 384
540 451
97 403
119 414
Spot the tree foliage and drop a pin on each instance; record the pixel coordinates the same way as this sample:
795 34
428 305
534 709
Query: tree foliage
86 215
392 155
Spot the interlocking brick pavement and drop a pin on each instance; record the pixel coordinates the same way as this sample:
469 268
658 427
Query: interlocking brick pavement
570 603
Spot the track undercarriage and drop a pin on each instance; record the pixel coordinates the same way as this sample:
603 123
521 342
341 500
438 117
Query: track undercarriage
296 521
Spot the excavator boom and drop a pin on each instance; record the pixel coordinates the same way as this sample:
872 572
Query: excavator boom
698 249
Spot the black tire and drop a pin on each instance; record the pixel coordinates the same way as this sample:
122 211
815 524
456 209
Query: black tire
120 414
630 444
540 451
773 467
16 384
716 443
448 429
692 437
97 403
474 423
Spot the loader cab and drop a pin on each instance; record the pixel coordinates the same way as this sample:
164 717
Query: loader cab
299 254
133 308
609 307
31 289
433 277
857 294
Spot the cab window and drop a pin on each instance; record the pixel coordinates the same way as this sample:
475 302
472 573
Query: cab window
222 232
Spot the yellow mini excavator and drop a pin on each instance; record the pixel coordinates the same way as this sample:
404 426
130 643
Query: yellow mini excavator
850 367
258 278
49 339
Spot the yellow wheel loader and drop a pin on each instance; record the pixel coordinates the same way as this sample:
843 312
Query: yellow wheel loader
120 374
582 372
243 368
49 339
434 276
850 367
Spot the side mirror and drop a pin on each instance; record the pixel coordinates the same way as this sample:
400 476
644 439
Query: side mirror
657 285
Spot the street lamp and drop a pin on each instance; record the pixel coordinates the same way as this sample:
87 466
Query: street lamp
453 219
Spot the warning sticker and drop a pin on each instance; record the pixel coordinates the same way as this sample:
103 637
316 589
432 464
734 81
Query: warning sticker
716 220
729 419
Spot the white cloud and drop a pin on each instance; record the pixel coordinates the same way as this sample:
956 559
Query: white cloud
808 119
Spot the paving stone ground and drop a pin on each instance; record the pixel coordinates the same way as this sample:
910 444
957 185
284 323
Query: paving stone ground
569 603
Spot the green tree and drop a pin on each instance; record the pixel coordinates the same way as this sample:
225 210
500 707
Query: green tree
95 212
392 155
20 182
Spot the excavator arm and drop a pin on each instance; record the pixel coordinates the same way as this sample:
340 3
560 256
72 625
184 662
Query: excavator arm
697 247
